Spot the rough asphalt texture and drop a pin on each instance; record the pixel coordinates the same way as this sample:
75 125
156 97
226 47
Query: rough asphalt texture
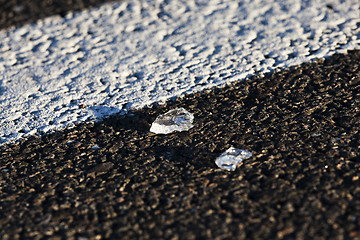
18 12
302 126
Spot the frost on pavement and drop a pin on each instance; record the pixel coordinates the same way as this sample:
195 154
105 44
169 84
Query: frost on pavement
174 120
132 53
229 159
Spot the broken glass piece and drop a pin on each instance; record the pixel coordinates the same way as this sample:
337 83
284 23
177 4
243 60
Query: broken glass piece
229 159
174 120
96 147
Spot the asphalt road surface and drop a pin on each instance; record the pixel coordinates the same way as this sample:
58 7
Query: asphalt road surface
116 180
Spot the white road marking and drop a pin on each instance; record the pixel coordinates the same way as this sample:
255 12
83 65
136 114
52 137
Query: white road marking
132 54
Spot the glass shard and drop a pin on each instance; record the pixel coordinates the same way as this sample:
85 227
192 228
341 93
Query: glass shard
96 147
174 120
229 159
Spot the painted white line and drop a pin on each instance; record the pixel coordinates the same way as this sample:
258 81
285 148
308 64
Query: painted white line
102 61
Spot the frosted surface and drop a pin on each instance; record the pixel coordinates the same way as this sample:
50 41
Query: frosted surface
106 60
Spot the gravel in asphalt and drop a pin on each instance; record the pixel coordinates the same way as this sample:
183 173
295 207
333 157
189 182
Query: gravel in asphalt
19 12
302 182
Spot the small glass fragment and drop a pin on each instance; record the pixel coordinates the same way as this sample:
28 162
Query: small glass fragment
95 147
229 159
316 134
174 120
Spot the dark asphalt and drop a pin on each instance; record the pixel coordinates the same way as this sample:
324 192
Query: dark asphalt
17 12
302 126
